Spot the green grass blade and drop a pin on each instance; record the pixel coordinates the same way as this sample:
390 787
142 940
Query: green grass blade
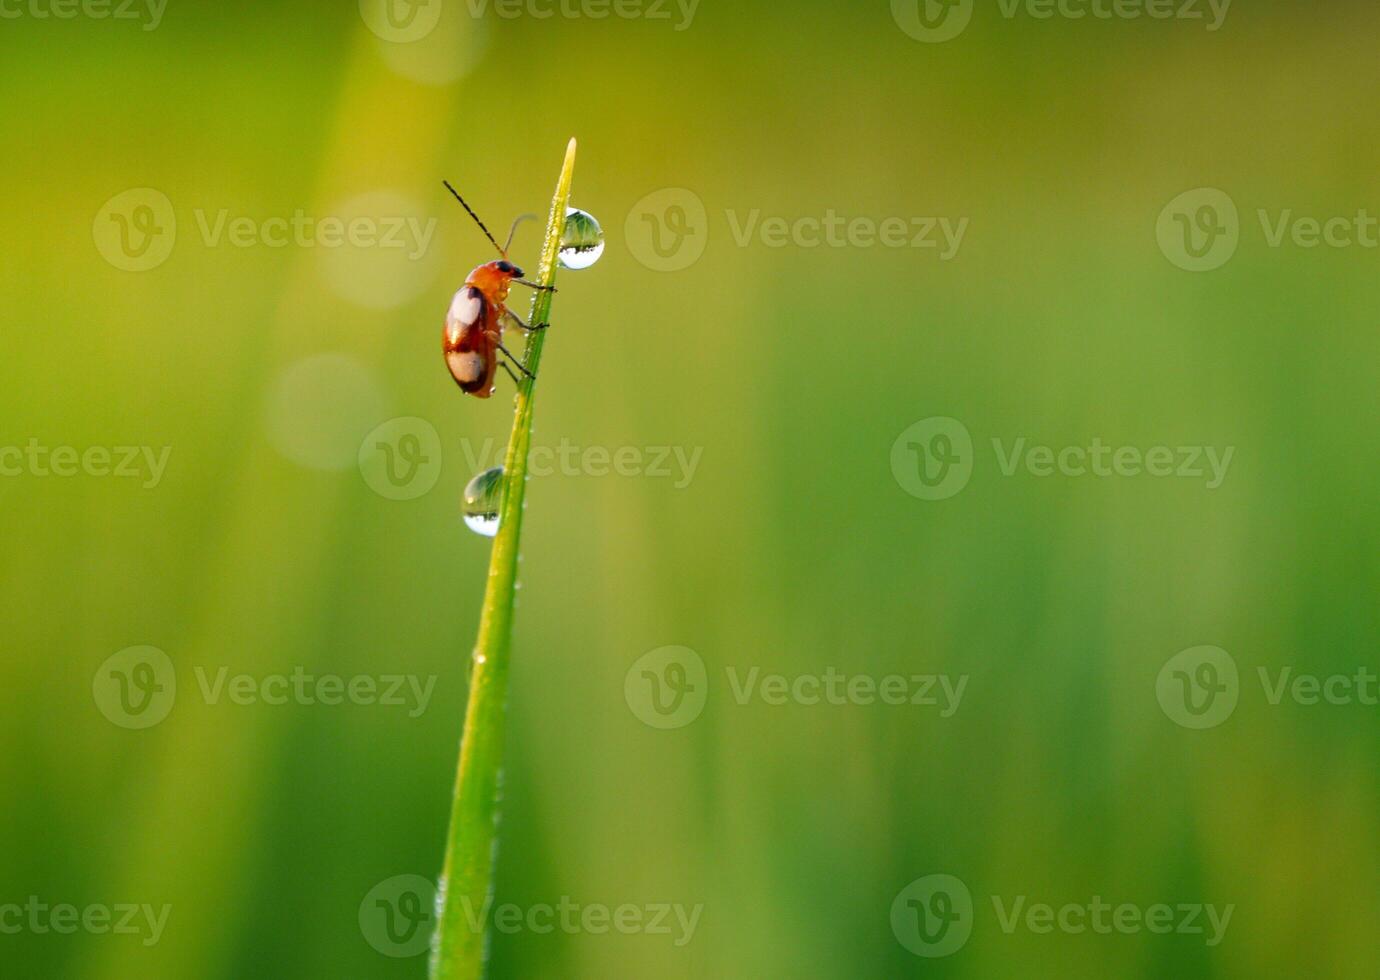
458 950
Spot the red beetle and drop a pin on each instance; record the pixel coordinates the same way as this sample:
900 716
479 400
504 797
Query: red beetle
473 336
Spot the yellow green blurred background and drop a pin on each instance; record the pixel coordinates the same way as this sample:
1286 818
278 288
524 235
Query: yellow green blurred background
273 540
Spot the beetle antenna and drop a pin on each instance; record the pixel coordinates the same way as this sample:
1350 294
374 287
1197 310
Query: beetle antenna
482 227
513 231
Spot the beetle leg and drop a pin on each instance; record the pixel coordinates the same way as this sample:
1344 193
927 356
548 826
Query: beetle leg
516 380
523 323
520 366
536 285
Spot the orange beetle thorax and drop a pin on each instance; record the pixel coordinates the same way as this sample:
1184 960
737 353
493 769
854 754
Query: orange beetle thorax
493 279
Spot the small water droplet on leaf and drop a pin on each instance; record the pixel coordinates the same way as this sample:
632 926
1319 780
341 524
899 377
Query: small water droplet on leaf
481 502
582 241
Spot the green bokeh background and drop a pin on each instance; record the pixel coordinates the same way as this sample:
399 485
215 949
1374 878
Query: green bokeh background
794 549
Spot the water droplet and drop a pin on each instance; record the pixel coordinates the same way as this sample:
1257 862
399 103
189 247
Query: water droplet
582 242
482 500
